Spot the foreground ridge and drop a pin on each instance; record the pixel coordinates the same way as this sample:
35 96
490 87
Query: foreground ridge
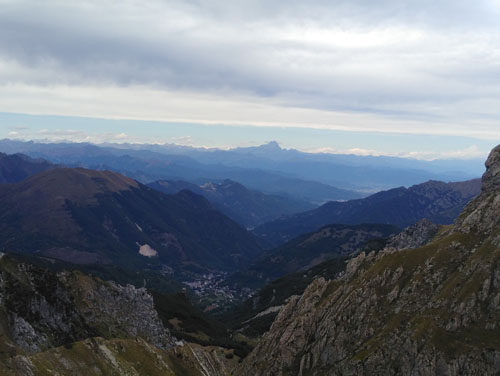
432 310
70 323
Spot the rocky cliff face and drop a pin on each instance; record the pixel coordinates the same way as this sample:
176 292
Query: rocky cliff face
491 179
414 236
73 324
41 310
433 310
482 214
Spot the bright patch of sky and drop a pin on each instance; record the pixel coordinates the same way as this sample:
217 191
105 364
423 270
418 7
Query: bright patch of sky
411 77
94 130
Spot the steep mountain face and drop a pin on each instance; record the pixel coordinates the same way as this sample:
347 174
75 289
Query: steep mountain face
482 214
309 250
86 216
41 310
17 167
437 201
432 310
247 207
71 324
254 316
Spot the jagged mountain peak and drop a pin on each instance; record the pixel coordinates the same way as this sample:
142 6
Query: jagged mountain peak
481 214
491 178
271 145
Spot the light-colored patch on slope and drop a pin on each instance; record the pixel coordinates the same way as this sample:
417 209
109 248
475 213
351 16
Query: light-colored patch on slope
267 311
109 355
147 251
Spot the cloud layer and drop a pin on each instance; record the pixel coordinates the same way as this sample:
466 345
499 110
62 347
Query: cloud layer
398 66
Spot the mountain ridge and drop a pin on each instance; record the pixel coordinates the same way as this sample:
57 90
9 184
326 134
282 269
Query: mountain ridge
88 216
262 168
17 167
150 165
247 207
308 250
437 201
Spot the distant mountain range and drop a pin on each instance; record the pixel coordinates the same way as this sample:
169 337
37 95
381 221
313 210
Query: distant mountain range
148 166
268 168
437 201
87 216
17 167
368 173
247 207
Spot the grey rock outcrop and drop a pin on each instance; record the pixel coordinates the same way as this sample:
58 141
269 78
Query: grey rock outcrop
125 311
70 323
482 213
491 178
41 309
414 236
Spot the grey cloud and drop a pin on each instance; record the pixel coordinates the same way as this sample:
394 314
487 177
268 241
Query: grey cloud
236 47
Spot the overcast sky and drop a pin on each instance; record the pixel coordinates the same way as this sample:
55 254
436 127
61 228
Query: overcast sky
359 66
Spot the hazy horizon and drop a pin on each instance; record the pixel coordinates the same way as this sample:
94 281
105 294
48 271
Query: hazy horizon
411 79
50 128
